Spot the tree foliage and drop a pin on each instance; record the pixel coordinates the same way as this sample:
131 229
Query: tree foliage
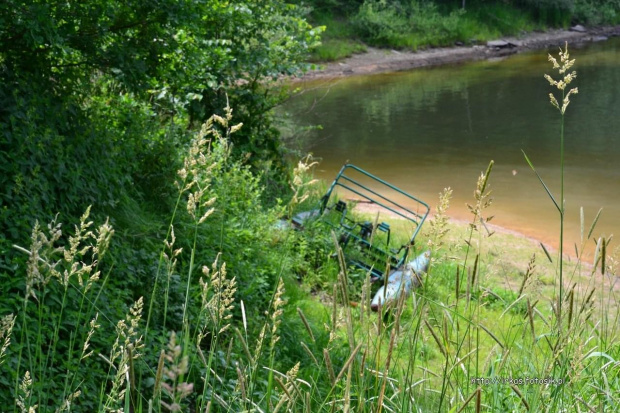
90 90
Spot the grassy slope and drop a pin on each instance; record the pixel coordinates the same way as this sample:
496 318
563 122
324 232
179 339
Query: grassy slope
436 329
421 356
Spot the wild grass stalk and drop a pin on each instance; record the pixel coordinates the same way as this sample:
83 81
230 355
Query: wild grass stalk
563 68
276 320
125 349
74 268
567 77
6 329
467 341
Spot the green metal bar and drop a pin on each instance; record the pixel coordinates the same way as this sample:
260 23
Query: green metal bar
383 182
378 203
381 196
349 183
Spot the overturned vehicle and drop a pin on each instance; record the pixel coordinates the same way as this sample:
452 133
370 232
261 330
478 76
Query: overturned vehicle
372 245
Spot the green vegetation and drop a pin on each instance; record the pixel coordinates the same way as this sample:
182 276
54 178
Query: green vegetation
99 105
334 49
177 289
98 99
412 24
477 320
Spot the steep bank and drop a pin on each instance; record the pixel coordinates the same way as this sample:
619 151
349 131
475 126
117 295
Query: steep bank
384 60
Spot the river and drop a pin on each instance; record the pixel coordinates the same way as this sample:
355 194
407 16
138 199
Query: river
428 129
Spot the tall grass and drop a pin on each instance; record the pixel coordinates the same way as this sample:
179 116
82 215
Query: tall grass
457 343
567 77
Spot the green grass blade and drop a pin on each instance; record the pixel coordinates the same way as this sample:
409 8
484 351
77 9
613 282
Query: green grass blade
576 251
598 215
582 221
492 336
546 252
597 253
542 182
600 354
603 255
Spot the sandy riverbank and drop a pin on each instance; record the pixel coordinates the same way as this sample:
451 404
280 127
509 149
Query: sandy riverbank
385 60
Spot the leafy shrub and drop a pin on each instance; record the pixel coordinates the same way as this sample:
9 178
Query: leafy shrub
334 7
408 25
597 12
63 286
379 22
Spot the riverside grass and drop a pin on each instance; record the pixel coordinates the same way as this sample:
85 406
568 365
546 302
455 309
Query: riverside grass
454 345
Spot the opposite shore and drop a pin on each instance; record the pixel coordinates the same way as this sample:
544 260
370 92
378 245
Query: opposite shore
385 60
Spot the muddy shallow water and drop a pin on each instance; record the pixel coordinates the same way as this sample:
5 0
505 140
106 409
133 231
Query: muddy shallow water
432 128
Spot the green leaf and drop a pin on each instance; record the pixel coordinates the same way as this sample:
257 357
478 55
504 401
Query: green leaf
546 252
598 215
542 182
600 354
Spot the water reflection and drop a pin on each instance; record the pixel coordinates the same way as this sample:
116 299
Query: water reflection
432 128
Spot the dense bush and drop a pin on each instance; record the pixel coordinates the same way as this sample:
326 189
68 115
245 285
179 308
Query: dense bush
597 12
95 100
99 102
409 25
219 218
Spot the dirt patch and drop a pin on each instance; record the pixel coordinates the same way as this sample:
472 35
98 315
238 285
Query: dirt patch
384 60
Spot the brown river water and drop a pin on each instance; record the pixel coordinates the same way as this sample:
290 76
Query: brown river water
428 129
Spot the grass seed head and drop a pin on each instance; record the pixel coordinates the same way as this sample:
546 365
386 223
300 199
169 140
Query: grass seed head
220 304
302 180
482 195
93 327
25 388
276 316
178 366
567 77
6 328
439 223
259 344
66 404
126 345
